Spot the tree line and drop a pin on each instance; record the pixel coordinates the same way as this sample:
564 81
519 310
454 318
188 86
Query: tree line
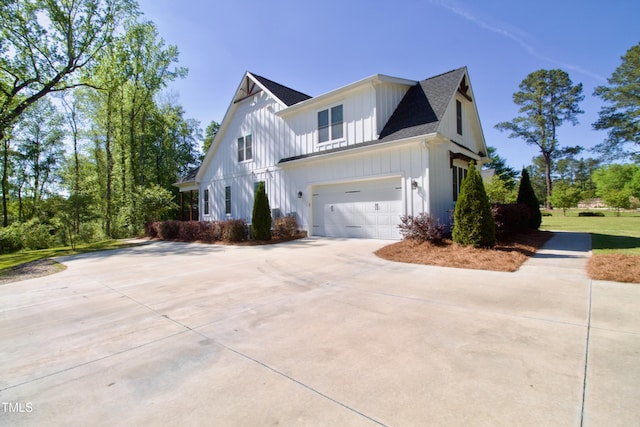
91 140
546 100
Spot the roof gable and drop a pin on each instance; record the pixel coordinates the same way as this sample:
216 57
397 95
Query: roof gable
285 94
423 106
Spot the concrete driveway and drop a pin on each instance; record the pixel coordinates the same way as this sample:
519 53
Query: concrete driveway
318 332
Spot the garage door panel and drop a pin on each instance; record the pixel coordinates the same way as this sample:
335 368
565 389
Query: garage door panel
367 209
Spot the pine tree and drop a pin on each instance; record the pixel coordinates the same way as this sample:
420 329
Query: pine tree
527 196
473 222
261 215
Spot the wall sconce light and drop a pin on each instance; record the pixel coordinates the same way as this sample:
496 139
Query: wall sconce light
414 185
299 194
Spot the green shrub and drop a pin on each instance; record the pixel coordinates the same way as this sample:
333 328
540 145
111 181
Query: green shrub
473 223
261 215
37 235
11 239
590 214
528 197
421 228
285 227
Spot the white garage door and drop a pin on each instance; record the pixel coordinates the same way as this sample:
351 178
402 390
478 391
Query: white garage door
368 209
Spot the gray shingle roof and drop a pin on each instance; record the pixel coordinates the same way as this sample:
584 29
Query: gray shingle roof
418 113
422 108
287 95
190 177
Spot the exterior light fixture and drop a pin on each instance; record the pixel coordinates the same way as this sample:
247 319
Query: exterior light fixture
414 185
299 194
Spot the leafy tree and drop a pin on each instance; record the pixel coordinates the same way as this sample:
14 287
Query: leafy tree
155 202
261 215
472 219
528 197
546 98
43 44
621 117
565 196
616 184
209 135
498 191
506 173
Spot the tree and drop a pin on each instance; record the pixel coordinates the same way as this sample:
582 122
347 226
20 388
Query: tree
498 191
506 173
546 98
261 215
616 184
565 196
43 44
528 197
621 117
209 135
473 224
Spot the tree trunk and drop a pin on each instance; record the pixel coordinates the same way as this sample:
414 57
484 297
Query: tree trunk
109 167
5 178
547 173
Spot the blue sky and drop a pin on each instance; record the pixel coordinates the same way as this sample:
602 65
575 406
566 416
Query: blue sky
315 47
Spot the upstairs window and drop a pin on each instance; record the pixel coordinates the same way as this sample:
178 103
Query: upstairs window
245 148
459 116
330 124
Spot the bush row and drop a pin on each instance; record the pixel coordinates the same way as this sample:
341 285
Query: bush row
509 219
32 234
233 230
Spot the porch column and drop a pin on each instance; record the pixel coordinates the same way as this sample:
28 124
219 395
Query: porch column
181 206
191 205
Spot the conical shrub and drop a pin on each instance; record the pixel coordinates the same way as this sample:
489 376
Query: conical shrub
473 224
527 196
261 215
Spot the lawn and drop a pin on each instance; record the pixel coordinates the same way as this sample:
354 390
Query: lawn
8 261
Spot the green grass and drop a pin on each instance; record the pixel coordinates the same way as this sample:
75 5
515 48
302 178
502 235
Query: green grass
11 260
610 234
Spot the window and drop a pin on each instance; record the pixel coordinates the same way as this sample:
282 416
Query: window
458 175
330 124
227 200
245 148
206 202
459 116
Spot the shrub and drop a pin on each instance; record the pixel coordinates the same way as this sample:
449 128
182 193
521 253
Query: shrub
261 215
151 229
37 235
168 230
235 230
285 227
511 218
528 197
11 239
590 214
473 224
189 231
421 228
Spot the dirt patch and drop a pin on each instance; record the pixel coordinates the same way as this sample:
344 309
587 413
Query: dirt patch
507 255
30 270
615 268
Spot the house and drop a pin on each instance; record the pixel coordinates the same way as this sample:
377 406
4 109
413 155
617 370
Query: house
347 163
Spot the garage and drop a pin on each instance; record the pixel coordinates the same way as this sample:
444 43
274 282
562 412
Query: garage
365 209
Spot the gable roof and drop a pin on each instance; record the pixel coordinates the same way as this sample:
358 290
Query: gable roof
285 94
423 106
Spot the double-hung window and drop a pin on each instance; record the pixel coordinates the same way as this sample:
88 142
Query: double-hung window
458 175
330 124
245 148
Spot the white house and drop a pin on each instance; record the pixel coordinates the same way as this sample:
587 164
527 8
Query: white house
347 163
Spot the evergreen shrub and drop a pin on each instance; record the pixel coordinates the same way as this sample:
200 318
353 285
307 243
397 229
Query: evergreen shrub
590 214
261 215
527 196
473 223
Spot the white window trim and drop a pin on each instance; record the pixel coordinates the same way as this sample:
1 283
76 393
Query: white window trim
331 140
244 148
